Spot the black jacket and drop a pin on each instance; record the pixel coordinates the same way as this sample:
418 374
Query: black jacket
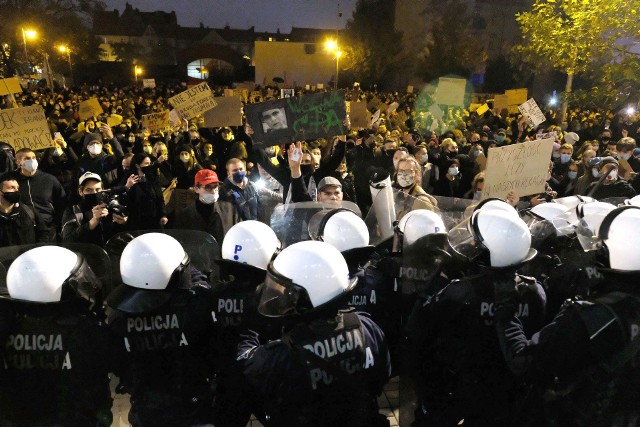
22 226
215 219
44 192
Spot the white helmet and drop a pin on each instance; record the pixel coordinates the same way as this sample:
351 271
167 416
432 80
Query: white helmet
419 223
549 211
593 214
634 201
573 201
506 236
150 260
496 204
341 228
303 277
250 242
39 274
620 232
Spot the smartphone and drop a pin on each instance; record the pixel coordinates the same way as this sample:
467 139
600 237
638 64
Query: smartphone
57 135
297 155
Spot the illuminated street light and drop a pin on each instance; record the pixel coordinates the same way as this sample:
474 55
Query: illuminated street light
631 111
31 35
553 101
137 71
65 49
332 47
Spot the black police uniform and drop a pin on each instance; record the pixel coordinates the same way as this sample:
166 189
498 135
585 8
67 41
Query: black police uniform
586 359
54 365
166 354
322 372
456 359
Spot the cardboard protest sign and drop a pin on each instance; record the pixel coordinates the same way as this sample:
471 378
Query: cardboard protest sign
300 117
624 169
227 113
373 103
450 91
376 117
320 85
307 87
521 168
516 96
392 108
436 111
358 115
114 120
409 89
531 109
194 101
10 86
89 108
500 102
156 121
482 109
25 128
481 161
287 93
547 135
150 83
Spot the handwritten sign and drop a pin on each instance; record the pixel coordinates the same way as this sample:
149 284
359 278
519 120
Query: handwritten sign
521 168
500 102
150 83
287 93
300 117
10 86
193 102
25 128
227 113
358 115
156 121
546 135
531 110
451 91
89 108
516 96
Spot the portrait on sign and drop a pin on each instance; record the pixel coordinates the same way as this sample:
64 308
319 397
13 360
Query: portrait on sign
274 119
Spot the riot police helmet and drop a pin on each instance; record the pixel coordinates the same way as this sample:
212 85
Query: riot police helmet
620 231
250 242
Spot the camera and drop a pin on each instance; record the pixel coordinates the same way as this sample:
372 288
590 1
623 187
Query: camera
113 201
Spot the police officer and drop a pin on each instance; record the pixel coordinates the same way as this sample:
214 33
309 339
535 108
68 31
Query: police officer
457 364
162 321
54 353
247 249
587 358
329 364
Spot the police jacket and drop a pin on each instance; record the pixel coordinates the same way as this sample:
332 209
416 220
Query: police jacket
455 352
54 364
587 355
322 372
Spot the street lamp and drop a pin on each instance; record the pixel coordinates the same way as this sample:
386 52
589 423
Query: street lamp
332 47
65 49
137 71
31 35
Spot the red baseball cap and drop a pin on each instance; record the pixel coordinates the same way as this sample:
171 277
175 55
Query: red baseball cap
206 177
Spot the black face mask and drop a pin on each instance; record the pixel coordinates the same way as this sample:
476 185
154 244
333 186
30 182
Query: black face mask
12 197
89 200
306 169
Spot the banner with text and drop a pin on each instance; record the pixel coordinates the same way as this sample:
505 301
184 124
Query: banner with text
193 102
25 128
531 110
149 83
521 168
227 113
156 121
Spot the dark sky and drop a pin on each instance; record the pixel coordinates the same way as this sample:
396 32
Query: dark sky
266 15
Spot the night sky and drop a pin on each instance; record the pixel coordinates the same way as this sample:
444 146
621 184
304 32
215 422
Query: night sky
266 15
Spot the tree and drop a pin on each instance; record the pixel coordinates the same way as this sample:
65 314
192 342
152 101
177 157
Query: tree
572 35
449 46
371 43
126 51
500 75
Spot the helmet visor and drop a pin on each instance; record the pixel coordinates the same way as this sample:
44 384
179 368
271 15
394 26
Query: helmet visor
463 240
281 297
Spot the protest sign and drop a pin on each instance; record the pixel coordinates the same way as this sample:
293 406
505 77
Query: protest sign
174 118
450 91
436 111
358 115
409 89
25 128
227 113
482 109
307 87
516 96
194 101
296 118
89 108
287 93
500 102
228 92
521 168
114 120
547 135
10 86
156 121
392 108
149 83
376 117
531 110
320 86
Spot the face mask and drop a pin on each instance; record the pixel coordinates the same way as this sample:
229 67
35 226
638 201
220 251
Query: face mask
564 158
572 175
477 195
12 197
90 200
423 160
147 150
185 158
238 177
208 198
500 138
595 173
626 156
95 149
453 171
30 165
606 139
477 153
556 155
306 169
405 179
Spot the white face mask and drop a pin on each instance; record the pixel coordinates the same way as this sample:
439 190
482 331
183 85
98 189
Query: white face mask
30 165
477 195
405 179
184 158
95 149
453 171
208 198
